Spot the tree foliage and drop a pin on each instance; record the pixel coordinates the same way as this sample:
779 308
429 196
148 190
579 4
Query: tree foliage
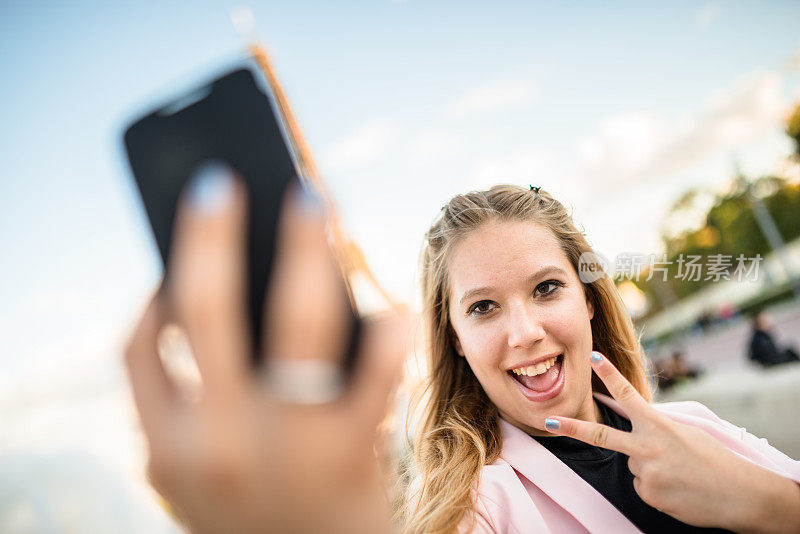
793 128
730 228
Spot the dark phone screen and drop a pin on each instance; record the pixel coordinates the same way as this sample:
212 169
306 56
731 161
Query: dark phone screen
231 120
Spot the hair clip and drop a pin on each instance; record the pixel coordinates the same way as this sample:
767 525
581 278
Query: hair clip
535 190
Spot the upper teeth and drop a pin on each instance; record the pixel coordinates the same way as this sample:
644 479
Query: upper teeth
533 370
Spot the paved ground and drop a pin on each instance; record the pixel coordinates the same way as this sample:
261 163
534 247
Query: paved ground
765 401
725 347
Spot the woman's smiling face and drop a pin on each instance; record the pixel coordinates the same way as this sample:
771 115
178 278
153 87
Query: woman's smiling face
515 302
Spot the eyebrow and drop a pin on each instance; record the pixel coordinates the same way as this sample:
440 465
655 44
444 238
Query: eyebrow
535 276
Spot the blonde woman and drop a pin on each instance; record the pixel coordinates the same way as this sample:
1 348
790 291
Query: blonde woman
538 414
502 295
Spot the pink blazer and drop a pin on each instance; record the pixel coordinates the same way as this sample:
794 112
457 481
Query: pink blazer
528 489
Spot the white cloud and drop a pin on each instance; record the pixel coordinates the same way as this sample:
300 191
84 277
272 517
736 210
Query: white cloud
707 14
432 146
64 366
40 494
367 143
625 141
63 303
673 155
793 63
642 146
624 175
499 95
524 166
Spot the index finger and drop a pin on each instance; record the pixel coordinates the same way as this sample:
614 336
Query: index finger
596 434
634 405
208 271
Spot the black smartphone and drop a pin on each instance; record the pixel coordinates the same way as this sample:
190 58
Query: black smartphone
231 119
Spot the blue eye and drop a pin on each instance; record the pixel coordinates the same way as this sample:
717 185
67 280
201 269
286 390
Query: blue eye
556 285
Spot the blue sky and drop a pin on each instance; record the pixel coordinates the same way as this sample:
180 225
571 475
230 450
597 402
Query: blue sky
615 107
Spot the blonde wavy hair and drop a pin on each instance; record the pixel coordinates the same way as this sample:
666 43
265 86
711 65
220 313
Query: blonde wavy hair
459 430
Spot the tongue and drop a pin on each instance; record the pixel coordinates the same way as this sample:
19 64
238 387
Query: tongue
541 382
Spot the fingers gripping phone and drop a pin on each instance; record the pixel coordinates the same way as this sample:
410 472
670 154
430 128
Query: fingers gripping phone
233 120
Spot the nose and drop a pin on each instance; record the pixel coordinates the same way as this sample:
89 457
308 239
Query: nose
524 327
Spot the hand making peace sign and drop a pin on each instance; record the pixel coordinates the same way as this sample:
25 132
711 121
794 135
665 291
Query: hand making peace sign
685 472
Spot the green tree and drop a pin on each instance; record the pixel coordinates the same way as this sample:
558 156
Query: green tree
729 228
793 128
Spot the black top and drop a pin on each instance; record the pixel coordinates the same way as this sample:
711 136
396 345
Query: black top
607 471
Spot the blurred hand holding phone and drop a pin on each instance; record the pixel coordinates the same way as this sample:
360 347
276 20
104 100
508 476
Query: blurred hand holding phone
250 278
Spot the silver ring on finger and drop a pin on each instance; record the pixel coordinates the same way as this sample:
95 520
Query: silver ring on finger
303 381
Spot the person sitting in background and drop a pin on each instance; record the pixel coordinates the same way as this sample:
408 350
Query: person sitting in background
674 370
763 349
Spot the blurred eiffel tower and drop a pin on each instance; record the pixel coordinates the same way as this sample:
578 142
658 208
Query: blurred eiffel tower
348 254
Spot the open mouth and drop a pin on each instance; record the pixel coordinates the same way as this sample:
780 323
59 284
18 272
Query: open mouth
540 382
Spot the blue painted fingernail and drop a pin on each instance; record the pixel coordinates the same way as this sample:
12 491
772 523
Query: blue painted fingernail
552 424
309 201
596 356
210 187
